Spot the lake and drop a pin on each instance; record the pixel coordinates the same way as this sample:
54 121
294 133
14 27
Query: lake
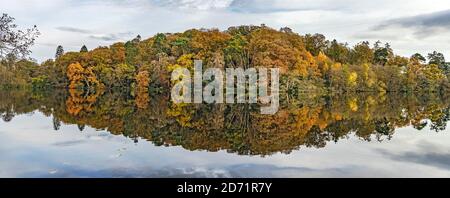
64 133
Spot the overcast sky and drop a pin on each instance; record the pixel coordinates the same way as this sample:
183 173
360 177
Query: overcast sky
409 25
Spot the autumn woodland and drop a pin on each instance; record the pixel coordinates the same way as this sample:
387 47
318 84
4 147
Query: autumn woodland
328 89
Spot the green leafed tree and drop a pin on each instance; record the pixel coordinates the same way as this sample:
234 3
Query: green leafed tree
84 49
315 43
419 57
59 51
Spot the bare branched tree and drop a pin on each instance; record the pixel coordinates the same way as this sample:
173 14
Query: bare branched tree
15 42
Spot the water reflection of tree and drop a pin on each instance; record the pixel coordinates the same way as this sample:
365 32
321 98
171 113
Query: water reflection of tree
237 128
81 101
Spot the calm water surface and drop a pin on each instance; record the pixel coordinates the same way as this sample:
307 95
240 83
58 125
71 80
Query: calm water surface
70 134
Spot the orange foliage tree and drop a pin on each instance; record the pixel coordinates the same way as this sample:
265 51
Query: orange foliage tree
80 77
142 97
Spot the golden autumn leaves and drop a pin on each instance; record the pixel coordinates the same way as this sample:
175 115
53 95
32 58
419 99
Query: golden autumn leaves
80 77
142 96
307 63
84 80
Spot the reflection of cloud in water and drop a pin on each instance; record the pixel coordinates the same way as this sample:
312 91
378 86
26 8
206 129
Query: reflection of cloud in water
238 145
427 154
69 143
234 171
263 170
145 172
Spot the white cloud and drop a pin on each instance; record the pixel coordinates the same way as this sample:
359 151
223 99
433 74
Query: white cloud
195 4
102 22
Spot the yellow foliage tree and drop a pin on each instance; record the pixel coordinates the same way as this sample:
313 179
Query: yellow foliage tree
352 79
323 63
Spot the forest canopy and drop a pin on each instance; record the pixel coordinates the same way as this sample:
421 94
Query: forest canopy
308 62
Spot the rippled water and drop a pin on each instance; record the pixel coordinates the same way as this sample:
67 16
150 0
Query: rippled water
69 134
